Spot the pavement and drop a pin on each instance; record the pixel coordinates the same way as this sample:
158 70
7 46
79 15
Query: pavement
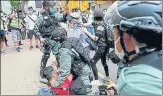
20 70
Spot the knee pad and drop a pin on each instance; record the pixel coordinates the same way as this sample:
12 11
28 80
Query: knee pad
92 62
91 77
46 56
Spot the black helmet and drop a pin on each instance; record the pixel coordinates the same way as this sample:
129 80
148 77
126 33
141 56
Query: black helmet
141 19
128 14
48 3
98 14
59 35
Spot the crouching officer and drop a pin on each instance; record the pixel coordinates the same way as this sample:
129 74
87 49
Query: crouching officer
46 24
138 43
73 58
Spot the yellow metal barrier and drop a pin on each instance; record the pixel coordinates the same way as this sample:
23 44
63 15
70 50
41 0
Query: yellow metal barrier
73 4
84 5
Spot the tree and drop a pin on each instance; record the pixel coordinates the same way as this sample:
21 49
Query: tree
15 3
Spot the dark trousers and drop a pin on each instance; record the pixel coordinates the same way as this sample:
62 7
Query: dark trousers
101 53
6 40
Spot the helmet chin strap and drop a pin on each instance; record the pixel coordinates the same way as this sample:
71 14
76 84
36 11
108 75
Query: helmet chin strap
138 51
126 57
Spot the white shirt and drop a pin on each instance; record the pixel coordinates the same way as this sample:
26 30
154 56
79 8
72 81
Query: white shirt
30 23
90 19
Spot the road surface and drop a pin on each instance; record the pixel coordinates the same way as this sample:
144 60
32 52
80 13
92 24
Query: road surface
20 71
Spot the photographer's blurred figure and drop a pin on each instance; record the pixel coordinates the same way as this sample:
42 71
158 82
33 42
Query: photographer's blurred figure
30 21
2 34
15 30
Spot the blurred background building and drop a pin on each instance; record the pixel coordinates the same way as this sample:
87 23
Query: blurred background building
83 5
6 7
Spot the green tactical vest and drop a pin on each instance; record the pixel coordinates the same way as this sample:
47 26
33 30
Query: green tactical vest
14 23
143 77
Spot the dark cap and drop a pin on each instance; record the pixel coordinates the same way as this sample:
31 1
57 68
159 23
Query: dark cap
74 15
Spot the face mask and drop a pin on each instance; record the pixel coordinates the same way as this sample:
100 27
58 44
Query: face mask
51 11
120 55
30 11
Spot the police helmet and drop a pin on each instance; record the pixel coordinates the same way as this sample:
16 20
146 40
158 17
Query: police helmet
141 19
48 3
98 14
59 35
74 16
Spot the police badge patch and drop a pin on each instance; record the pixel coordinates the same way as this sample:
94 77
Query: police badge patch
100 28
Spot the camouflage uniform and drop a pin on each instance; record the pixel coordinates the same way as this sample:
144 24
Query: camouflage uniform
45 26
73 58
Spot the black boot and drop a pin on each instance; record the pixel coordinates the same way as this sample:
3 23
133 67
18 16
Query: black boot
20 43
42 73
106 71
7 45
31 47
37 47
43 65
44 60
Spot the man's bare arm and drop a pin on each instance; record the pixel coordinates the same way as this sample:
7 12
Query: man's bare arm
87 24
89 34
12 15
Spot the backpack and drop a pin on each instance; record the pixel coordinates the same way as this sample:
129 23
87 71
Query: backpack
45 91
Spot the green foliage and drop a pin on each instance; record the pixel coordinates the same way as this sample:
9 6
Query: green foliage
15 3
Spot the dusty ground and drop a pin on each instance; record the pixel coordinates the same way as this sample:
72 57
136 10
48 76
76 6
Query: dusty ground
20 71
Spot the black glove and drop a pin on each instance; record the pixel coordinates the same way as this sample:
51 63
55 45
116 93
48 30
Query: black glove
102 90
42 73
114 58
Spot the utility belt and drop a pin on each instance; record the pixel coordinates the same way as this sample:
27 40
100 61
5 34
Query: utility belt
46 35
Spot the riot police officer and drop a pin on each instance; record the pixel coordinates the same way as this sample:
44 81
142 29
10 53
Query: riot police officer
46 24
102 43
73 58
138 43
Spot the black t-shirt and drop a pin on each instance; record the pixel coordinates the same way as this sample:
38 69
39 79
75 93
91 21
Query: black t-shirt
64 18
102 35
